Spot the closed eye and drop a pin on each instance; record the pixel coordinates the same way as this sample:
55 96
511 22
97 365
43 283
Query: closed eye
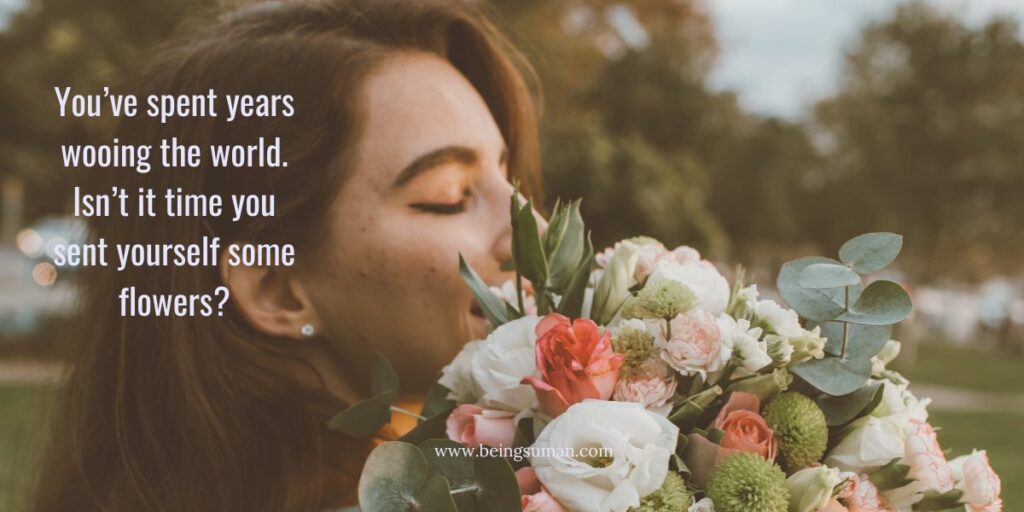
441 208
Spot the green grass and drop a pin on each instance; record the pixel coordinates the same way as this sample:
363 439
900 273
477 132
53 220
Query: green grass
948 365
997 433
21 416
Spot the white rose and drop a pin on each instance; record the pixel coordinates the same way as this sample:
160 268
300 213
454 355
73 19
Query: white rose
501 362
639 442
742 344
458 375
872 443
711 289
980 484
784 322
810 489
704 505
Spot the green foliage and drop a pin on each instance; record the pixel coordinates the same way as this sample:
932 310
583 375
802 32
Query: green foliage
870 252
840 410
364 418
494 309
396 477
857 322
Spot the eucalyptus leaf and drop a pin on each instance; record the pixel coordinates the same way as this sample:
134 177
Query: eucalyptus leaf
881 303
383 378
819 305
827 275
840 410
834 375
494 308
436 400
458 470
497 489
363 419
871 252
396 478
863 342
431 428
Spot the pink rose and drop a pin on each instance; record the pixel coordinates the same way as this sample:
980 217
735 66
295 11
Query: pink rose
576 362
924 456
694 344
652 385
745 429
473 425
534 497
980 484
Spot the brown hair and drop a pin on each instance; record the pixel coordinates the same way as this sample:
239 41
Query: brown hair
197 414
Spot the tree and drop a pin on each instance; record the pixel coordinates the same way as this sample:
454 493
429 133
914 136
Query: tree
926 137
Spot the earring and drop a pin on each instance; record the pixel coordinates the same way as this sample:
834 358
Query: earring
307 330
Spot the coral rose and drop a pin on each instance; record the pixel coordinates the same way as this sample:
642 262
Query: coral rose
576 362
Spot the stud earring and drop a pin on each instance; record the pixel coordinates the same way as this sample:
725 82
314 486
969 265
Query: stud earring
307 330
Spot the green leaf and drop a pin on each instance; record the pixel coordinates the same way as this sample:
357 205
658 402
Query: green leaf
565 248
436 400
571 304
871 252
834 375
497 489
819 305
527 250
827 275
396 477
383 378
482 483
881 303
458 470
493 307
936 501
363 419
613 288
840 410
890 476
864 340
431 428
839 376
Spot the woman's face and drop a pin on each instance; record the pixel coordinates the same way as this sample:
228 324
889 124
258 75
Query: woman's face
429 181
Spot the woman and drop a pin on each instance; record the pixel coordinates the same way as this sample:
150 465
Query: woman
411 118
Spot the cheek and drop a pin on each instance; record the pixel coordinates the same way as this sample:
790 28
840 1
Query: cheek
393 286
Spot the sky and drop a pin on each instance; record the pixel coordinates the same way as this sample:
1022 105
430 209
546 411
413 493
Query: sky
780 56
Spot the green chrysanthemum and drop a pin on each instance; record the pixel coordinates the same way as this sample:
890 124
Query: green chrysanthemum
670 497
637 345
800 428
746 482
663 299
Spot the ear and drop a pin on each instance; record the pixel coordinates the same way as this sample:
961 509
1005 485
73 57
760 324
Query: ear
273 301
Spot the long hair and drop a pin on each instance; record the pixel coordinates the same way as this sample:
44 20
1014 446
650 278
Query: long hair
198 413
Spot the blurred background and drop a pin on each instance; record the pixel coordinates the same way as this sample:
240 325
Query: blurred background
754 130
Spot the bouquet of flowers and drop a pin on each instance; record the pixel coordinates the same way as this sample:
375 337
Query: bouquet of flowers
639 379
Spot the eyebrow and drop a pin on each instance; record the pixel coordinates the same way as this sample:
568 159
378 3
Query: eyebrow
439 156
